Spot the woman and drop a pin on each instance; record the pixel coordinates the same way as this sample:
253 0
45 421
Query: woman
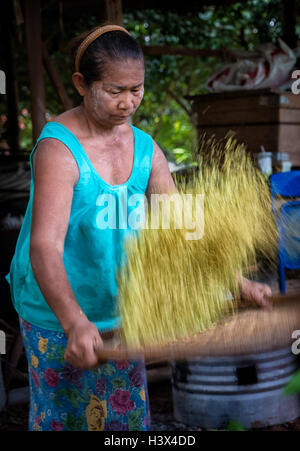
62 276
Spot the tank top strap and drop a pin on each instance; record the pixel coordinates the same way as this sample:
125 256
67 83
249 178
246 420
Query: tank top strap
60 132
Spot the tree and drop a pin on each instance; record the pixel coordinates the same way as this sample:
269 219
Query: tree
164 113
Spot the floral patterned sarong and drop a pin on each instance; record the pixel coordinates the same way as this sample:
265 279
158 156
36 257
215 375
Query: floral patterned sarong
112 397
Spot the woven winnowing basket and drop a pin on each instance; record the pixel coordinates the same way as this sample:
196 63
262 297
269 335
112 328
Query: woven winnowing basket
250 330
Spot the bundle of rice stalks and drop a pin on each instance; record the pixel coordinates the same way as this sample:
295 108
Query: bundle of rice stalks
177 279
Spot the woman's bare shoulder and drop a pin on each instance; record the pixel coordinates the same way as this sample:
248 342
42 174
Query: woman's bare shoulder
51 151
68 118
53 154
56 150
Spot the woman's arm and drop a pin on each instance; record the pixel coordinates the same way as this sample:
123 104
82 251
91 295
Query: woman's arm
55 174
160 180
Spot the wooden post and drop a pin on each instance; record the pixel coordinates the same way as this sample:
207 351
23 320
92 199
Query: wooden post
114 11
56 81
8 51
289 17
35 66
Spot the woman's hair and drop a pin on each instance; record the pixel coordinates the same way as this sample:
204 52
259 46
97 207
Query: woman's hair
111 46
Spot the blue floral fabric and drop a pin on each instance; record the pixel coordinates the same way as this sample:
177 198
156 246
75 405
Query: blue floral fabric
111 397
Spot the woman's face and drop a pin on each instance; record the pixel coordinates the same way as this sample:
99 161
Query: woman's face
117 96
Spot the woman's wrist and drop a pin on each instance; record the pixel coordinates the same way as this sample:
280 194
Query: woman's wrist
255 292
74 320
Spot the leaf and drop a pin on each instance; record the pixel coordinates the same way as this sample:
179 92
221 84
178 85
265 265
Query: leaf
135 420
108 369
73 423
119 383
57 395
71 395
293 385
85 395
179 151
57 353
52 352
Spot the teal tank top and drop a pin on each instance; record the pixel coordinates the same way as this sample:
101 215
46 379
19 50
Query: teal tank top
102 217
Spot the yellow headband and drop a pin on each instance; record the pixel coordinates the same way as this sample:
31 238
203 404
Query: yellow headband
91 38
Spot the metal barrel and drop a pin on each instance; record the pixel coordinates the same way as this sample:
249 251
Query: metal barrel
210 392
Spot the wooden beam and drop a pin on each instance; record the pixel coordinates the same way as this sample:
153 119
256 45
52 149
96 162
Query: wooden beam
114 11
56 81
156 50
289 18
35 66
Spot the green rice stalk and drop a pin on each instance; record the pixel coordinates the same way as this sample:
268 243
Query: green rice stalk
173 288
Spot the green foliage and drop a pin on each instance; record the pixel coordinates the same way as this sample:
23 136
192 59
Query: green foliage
241 25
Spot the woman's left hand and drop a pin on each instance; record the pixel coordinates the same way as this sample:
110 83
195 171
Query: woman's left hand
256 293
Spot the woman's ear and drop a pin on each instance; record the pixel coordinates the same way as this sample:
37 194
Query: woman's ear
78 82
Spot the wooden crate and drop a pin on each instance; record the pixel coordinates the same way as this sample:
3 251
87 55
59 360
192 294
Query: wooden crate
268 118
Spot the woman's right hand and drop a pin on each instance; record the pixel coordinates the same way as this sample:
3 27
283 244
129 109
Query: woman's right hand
83 341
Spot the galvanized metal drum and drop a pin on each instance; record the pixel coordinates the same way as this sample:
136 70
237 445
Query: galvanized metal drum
209 392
